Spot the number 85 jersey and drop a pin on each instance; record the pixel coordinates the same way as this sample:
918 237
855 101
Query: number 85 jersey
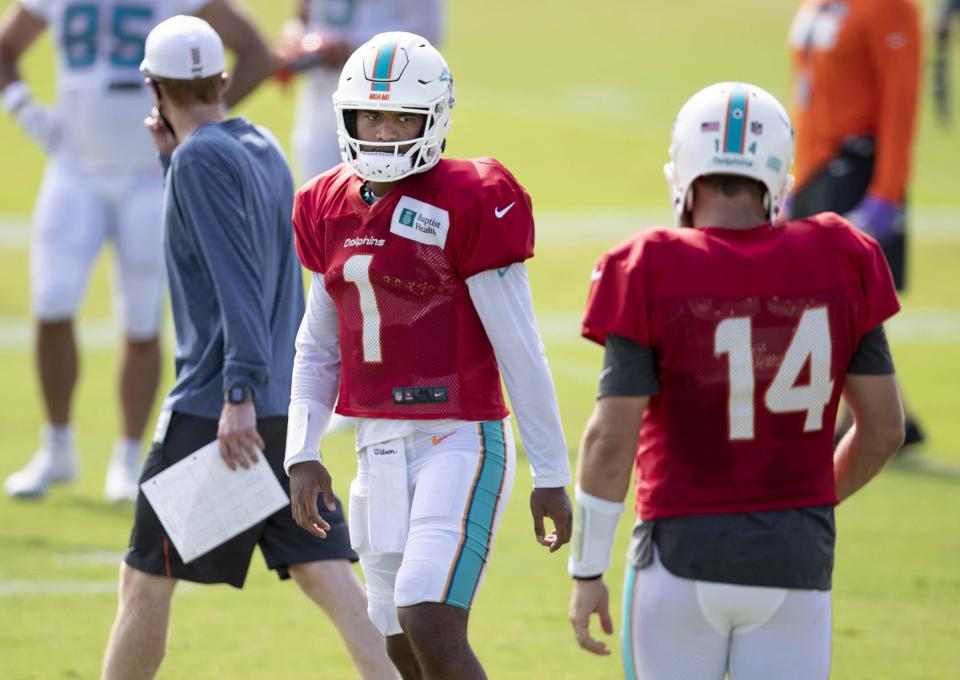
101 97
752 331
411 343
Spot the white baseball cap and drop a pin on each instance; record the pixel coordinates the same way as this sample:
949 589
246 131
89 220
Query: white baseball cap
183 48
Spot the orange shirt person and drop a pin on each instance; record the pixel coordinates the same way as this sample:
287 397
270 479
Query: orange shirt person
855 81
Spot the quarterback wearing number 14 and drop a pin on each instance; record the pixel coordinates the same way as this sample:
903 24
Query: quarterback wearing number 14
728 343
419 299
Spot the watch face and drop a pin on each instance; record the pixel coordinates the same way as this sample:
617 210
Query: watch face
238 394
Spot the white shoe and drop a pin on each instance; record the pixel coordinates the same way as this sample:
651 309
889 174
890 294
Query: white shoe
123 473
49 465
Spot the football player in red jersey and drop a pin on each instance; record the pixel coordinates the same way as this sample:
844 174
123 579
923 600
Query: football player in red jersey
728 343
419 301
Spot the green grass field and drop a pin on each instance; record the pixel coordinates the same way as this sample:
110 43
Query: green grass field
577 99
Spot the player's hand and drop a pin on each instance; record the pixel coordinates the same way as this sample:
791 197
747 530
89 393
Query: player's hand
878 217
293 55
306 481
590 597
240 443
552 503
161 135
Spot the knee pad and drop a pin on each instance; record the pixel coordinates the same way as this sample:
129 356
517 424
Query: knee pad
380 574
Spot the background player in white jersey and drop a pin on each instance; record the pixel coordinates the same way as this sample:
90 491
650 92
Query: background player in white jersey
102 182
323 34
419 300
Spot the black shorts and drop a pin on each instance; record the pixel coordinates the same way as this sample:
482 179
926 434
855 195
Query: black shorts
839 187
282 542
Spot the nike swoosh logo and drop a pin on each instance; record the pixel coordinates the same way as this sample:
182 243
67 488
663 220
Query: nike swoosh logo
500 212
436 440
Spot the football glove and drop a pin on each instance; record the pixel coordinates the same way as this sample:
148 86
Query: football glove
878 217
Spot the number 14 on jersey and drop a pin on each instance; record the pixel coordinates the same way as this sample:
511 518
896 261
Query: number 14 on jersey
810 343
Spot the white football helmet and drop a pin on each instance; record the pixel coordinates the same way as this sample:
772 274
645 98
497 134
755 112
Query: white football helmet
394 72
731 129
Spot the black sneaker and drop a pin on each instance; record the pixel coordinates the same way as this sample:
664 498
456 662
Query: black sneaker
912 434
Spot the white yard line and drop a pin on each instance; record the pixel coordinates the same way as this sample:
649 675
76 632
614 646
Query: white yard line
33 588
92 558
20 587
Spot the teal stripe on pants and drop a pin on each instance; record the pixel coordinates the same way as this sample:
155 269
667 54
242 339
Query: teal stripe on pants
481 513
626 643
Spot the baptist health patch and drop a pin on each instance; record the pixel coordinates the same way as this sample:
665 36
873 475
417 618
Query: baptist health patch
420 221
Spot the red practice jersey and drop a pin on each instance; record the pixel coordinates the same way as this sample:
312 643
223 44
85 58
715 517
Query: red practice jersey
753 331
411 343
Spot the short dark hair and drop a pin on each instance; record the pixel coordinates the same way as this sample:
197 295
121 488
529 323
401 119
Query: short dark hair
188 92
731 185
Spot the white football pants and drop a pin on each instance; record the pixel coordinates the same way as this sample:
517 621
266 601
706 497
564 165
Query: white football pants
680 629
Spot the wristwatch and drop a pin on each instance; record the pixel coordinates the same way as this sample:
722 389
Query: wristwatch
238 394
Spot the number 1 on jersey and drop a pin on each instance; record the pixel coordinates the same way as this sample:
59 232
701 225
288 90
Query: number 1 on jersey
810 343
356 270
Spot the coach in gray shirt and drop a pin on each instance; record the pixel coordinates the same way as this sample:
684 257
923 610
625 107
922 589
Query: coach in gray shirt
237 297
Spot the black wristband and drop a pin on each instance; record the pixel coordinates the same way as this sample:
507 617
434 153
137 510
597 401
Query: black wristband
588 578
238 394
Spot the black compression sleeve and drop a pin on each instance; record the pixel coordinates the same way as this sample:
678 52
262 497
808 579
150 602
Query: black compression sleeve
873 355
629 369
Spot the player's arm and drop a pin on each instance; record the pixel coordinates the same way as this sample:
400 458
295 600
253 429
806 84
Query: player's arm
253 59
19 29
606 458
871 391
504 304
895 48
207 196
893 41
313 393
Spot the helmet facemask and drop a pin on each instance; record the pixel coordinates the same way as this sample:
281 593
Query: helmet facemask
392 161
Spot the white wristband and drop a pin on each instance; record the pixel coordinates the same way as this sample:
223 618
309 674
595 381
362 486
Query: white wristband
306 422
594 527
15 95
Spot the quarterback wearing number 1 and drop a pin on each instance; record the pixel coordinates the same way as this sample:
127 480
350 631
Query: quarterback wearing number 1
419 301
728 343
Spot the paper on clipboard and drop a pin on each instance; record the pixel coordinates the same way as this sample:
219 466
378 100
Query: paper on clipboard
202 503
